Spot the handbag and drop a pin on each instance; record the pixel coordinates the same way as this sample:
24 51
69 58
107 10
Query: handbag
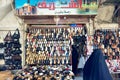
1 45
17 51
16 44
16 34
16 57
1 56
8 37
8 62
8 44
17 62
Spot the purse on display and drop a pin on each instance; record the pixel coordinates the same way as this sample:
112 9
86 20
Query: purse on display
16 51
8 37
16 44
1 56
1 45
16 57
8 44
17 62
8 62
16 34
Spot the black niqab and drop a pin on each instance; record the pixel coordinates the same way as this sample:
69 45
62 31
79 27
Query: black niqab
96 68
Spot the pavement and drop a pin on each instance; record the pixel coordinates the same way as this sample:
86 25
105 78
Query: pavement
80 76
6 75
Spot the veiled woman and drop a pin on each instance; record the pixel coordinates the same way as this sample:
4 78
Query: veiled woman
95 68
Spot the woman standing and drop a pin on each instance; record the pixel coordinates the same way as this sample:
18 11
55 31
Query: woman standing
74 59
96 68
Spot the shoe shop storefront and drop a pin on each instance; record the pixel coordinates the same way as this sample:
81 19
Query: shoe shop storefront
56 38
55 35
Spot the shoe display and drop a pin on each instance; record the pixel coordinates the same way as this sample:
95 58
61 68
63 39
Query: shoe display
46 73
13 60
51 43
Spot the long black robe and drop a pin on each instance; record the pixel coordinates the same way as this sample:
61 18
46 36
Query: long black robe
74 59
96 68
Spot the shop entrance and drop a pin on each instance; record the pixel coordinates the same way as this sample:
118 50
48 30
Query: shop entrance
57 41
56 44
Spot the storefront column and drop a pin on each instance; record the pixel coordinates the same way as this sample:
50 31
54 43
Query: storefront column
23 44
90 27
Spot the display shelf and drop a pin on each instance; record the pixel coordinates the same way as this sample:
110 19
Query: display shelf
12 51
50 46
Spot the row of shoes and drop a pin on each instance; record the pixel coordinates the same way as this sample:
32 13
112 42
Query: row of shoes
54 33
51 49
47 60
45 73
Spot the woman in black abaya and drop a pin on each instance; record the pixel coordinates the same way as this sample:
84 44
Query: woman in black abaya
74 59
96 68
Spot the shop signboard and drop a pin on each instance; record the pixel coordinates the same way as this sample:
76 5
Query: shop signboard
59 7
